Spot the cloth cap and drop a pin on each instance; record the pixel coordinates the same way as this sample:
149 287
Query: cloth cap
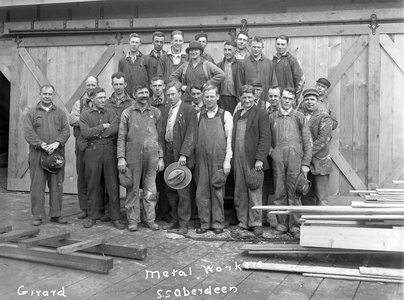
176 176
313 92
324 81
254 179
219 179
54 162
302 185
255 82
126 179
194 45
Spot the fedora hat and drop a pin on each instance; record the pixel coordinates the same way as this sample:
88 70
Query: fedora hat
54 162
194 45
254 179
176 176
302 185
219 179
126 179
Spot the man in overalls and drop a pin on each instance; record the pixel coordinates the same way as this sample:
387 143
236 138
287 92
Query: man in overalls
291 155
212 152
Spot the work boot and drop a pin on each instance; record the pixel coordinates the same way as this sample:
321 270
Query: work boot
234 220
278 232
117 224
153 226
82 215
89 223
132 227
58 220
197 223
36 222
296 235
258 230
105 218
183 230
171 225
218 230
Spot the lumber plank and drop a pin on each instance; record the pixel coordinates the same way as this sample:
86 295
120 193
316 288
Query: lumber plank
330 209
316 251
334 222
378 239
382 272
353 217
79 246
13 235
107 249
361 204
79 261
362 191
5 228
36 241
347 277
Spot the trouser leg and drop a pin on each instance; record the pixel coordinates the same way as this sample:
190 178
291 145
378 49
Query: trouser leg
192 195
240 193
94 169
254 215
111 182
38 182
81 179
163 204
55 185
310 198
203 195
132 203
293 171
184 206
279 173
320 184
149 186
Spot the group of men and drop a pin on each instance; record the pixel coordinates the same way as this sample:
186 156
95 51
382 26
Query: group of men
177 125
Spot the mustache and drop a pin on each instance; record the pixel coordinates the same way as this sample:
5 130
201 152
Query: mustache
143 98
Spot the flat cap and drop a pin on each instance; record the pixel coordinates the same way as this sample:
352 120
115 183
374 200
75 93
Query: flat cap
312 92
324 81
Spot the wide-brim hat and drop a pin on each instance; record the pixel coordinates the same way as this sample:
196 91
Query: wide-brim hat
126 179
302 185
176 176
254 179
219 179
194 45
54 162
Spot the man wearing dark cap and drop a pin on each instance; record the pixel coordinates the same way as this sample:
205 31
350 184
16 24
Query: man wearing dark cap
320 124
257 65
251 141
203 39
180 134
46 129
196 71
291 155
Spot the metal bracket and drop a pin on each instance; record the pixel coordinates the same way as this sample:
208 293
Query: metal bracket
243 27
119 37
32 25
17 40
1 27
64 24
373 23
131 23
96 23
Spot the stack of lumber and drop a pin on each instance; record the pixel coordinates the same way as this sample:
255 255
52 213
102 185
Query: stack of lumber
363 273
382 196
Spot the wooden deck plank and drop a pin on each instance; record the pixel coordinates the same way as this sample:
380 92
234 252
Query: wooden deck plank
36 241
331 289
80 246
14 235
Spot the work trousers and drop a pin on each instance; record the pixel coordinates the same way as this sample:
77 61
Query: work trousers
102 176
318 194
39 178
180 200
142 161
228 103
245 198
163 209
81 178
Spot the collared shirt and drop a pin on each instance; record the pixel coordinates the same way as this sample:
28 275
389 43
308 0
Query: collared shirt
91 124
46 108
156 54
239 107
243 54
285 112
198 107
132 58
119 104
172 115
176 56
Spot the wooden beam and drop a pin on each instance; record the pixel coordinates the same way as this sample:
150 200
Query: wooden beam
348 210
362 204
392 50
382 272
396 173
374 66
95 71
13 235
5 70
36 241
87 262
80 246
353 217
11 3
359 277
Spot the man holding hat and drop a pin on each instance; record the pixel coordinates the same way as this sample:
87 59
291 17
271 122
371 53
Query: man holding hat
291 155
180 134
213 153
251 141
140 148
46 129
320 124
196 71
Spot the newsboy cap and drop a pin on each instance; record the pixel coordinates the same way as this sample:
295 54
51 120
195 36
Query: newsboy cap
255 82
313 92
324 81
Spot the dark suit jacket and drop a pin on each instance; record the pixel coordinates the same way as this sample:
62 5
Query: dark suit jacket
185 133
257 137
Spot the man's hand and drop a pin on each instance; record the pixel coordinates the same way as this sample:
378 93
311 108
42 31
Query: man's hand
183 160
122 165
259 165
183 88
106 125
52 147
160 165
305 170
226 167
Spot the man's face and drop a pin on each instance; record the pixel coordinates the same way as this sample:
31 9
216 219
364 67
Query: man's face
46 96
257 92
157 87
210 99
247 100
256 49
173 96
310 103
158 43
321 88
273 96
142 96
202 40
91 84
134 44
177 42
281 46
229 52
287 100
242 41
118 85
99 100
196 96
195 53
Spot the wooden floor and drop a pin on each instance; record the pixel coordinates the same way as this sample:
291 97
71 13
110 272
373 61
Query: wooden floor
206 264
